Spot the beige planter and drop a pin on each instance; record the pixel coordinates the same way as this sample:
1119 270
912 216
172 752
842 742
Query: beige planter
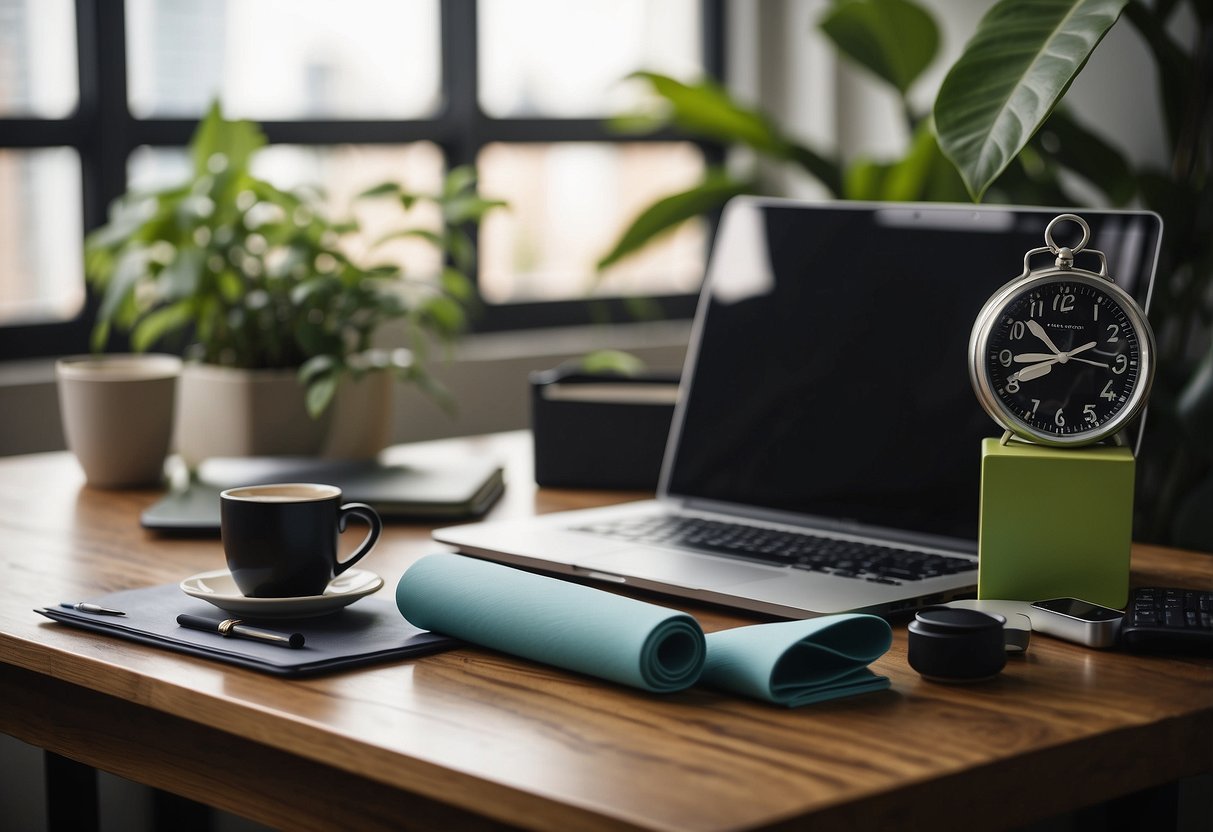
117 415
226 412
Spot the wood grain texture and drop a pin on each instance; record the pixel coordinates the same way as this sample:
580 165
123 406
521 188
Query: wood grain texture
472 735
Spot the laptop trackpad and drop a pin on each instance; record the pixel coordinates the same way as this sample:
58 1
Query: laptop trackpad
685 569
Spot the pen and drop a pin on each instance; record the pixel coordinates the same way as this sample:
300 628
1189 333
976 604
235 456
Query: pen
93 608
232 628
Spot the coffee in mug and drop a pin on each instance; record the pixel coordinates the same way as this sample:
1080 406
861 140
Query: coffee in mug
281 540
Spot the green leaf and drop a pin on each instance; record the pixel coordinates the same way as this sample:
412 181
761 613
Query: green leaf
382 189
316 366
1019 64
716 189
706 109
924 174
130 267
423 233
612 361
459 180
179 279
446 314
320 392
460 246
456 284
235 140
469 208
1083 152
157 324
100 335
895 39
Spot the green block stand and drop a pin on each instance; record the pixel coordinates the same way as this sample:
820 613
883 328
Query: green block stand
1055 522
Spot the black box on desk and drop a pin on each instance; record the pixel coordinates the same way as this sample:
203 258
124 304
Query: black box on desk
600 431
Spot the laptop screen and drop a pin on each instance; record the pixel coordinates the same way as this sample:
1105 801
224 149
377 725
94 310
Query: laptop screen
828 374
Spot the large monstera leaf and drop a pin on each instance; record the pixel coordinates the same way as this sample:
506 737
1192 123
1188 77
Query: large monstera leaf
1019 64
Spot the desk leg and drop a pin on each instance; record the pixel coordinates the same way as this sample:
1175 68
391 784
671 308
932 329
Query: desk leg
170 811
71 795
1154 808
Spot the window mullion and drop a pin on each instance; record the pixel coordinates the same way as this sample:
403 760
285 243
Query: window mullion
461 115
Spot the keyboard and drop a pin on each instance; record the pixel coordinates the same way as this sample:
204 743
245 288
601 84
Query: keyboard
1159 617
844 558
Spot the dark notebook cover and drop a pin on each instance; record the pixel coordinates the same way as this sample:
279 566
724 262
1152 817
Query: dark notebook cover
370 630
460 490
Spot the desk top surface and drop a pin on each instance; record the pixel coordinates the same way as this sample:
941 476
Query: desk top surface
523 744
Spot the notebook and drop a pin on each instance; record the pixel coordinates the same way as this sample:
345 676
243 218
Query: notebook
447 491
824 454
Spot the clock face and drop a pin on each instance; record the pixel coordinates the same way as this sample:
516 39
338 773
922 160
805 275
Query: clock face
1064 358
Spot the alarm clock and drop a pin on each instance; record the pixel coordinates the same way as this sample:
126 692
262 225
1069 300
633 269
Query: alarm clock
1062 356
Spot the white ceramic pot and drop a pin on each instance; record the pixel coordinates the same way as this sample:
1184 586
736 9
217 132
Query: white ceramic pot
117 415
227 412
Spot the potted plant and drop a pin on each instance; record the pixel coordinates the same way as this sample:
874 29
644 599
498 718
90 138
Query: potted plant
276 319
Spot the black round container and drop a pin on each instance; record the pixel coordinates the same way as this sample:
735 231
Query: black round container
957 645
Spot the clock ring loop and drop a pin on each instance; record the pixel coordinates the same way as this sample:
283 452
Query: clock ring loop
1086 233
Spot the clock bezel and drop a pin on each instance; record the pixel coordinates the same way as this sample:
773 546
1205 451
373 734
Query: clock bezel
993 310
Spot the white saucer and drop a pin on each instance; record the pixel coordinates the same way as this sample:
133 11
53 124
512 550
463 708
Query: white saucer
219 588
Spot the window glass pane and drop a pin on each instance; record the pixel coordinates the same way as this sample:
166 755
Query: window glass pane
569 203
568 59
284 59
38 75
341 172
41 261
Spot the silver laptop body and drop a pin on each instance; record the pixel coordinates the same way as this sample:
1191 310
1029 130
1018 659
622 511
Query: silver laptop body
826 393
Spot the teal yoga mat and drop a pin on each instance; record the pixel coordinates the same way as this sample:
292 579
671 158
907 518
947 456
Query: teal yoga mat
797 663
612 637
554 622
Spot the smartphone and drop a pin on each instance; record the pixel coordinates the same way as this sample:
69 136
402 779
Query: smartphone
1076 620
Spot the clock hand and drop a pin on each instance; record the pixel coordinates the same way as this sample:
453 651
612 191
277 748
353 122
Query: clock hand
1077 350
1093 363
1034 371
1039 331
1062 357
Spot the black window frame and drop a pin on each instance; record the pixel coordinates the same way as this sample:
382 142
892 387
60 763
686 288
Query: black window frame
104 133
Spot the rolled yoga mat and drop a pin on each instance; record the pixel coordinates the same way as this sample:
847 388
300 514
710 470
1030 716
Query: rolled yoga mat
639 644
552 621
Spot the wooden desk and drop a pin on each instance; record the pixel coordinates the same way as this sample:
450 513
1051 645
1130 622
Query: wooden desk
471 739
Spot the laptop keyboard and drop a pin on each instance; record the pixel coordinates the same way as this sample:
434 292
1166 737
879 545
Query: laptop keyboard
844 558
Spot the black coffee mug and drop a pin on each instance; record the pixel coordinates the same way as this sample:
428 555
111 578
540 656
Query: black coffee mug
281 540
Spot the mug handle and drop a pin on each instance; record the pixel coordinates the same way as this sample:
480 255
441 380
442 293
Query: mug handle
365 512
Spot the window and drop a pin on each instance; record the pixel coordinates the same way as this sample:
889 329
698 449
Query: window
96 96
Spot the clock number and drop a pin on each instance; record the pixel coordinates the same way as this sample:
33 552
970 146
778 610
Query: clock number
1120 364
1112 336
1063 303
1059 419
1035 404
1096 318
1088 413
1017 330
1004 358
1107 392
1036 309
1013 386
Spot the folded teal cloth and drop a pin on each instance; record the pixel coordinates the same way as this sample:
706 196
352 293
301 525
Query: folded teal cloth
553 621
799 662
639 644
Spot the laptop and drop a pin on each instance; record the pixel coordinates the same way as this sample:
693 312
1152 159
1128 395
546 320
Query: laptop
824 454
